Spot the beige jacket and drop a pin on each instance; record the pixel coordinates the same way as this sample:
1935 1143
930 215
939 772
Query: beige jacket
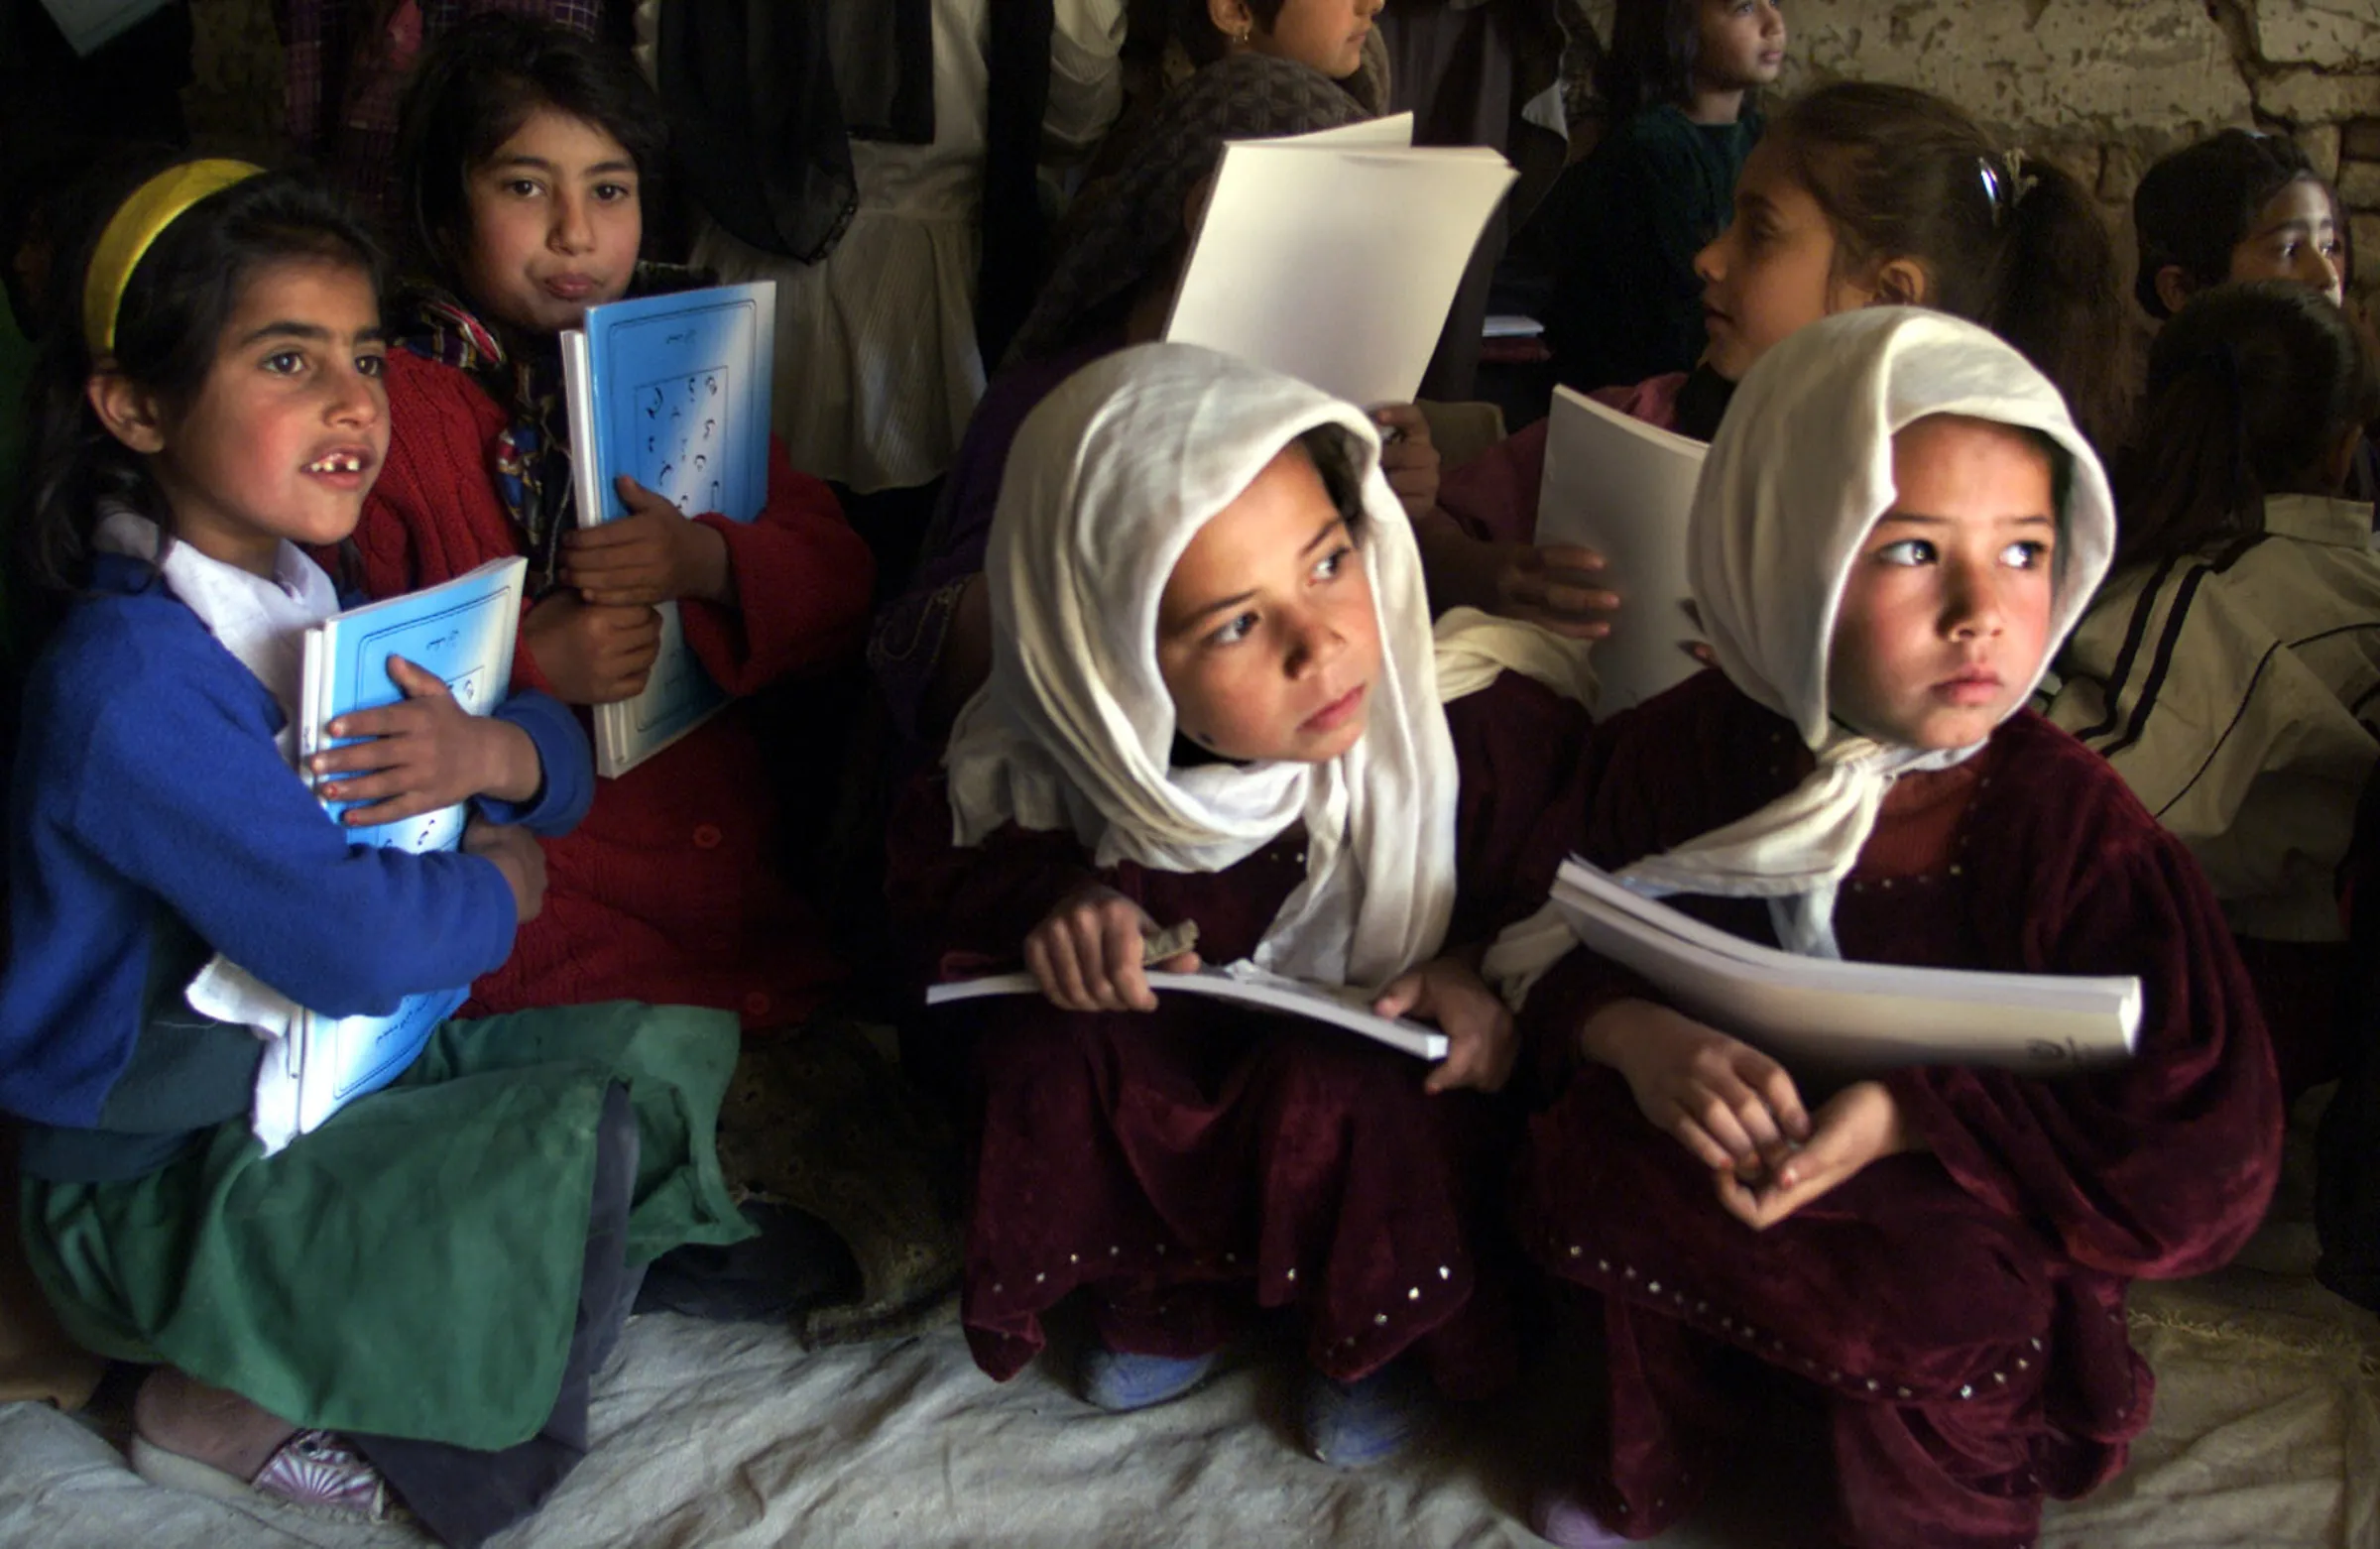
2234 697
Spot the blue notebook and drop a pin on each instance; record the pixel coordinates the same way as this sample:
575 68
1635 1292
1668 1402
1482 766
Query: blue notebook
674 391
463 630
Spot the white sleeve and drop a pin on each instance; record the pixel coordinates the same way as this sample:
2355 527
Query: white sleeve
1086 75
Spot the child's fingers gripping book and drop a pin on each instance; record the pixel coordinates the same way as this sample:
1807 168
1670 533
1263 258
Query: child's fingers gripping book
672 391
463 632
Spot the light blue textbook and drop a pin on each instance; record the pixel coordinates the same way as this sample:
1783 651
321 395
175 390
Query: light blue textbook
674 391
463 631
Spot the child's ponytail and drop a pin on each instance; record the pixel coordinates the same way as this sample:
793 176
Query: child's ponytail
2007 241
2053 291
2252 387
168 325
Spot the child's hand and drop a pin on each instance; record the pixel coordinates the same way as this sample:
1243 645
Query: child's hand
516 852
1858 1125
1725 1101
1409 462
423 753
592 655
651 555
1555 586
1086 954
1480 1043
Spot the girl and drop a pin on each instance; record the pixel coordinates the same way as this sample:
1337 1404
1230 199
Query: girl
436 1272
2225 668
2240 206
1897 525
1620 230
1860 195
1213 702
1122 256
525 149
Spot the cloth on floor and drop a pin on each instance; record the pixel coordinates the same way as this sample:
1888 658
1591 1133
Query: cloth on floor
2266 1432
818 1121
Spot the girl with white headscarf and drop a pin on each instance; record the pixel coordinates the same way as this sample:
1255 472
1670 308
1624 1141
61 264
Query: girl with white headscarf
1216 700
1897 525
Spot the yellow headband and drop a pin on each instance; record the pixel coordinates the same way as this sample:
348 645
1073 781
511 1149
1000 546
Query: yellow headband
134 228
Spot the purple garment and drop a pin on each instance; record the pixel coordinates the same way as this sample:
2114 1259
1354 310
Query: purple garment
905 645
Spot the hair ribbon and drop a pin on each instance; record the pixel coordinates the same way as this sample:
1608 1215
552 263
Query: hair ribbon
134 228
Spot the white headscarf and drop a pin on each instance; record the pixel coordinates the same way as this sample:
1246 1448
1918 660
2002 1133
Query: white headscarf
1111 478
1800 472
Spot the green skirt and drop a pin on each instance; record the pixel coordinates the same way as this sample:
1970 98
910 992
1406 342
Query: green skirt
412 1268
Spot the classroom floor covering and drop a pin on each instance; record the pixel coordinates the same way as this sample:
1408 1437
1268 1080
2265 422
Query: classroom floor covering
2267 1434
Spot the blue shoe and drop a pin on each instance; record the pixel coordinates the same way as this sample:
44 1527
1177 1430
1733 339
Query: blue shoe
1119 1382
1357 1424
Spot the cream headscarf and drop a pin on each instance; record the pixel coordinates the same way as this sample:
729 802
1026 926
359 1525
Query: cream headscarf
1800 472
1109 479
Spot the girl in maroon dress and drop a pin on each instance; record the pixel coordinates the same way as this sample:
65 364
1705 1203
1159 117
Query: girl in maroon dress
1216 700
1897 525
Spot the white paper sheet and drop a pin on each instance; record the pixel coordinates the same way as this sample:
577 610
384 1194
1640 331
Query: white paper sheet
1336 263
1854 1016
1622 488
1247 985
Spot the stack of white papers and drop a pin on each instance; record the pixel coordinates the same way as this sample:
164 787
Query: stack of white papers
1853 1017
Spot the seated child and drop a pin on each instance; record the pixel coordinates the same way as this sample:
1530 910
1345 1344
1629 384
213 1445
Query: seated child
1121 255
2225 668
2242 205
2237 205
1898 523
1339 38
1215 702
1620 230
1860 195
411 1298
524 150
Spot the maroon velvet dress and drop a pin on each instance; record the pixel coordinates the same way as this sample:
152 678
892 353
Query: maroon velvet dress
1184 1164
1958 1312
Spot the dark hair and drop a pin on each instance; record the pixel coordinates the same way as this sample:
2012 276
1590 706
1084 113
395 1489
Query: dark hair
1203 40
1650 61
472 91
168 326
2197 205
2250 386
2007 241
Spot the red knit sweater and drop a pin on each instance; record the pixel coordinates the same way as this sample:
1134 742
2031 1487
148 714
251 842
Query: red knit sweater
670 891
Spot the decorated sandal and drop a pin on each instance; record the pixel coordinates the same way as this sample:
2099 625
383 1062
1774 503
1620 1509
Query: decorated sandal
212 1441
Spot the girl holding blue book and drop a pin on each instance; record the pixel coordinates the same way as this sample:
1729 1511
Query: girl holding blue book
408 1300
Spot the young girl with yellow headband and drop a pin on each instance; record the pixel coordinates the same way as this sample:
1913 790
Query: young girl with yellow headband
408 1300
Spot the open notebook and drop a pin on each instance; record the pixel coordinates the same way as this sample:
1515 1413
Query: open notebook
1623 488
1335 255
1851 1016
1247 984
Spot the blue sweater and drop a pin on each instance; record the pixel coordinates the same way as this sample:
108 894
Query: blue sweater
148 787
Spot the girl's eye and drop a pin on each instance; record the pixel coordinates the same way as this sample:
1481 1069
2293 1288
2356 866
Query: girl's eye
1328 567
285 363
2026 555
613 193
1234 633
372 365
521 187
1908 552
